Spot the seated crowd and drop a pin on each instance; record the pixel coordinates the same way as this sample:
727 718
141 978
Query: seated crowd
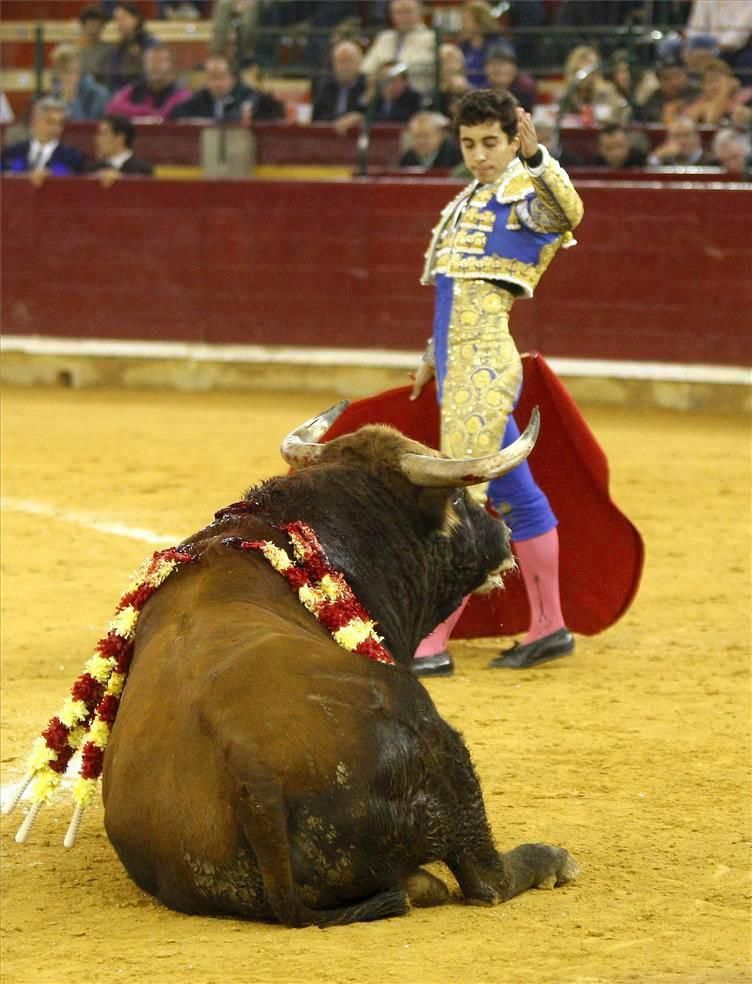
383 64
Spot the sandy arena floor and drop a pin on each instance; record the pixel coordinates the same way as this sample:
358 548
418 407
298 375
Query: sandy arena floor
634 753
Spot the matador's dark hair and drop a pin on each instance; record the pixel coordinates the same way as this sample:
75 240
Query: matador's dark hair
485 106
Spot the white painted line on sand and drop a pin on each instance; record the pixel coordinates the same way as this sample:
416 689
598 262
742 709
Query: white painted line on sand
88 521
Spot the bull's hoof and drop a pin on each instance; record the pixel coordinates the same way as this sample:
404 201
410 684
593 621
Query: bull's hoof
568 870
441 664
522 656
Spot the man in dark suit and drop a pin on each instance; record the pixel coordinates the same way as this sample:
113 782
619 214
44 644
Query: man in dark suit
396 101
226 98
344 91
616 150
43 154
430 147
114 143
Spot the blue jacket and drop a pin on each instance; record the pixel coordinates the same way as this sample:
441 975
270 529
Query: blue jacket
90 100
64 160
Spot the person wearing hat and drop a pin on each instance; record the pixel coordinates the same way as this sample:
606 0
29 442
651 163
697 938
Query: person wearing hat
696 52
394 99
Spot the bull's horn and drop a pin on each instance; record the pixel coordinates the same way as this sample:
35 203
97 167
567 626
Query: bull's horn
424 470
301 448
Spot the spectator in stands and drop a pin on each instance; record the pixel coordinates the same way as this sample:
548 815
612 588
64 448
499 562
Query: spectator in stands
344 90
696 52
671 98
730 23
544 121
630 84
503 76
127 57
453 82
234 24
328 21
741 115
719 94
95 53
225 97
480 36
430 146
394 100
731 150
589 99
616 150
83 96
157 94
114 143
682 146
409 42
44 153
182 9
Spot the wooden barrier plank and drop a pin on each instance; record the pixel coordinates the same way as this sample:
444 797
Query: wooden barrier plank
276 143
660 273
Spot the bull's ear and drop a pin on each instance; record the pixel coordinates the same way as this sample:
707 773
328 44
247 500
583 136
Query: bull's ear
437 511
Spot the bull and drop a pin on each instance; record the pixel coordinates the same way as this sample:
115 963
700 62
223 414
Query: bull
259 769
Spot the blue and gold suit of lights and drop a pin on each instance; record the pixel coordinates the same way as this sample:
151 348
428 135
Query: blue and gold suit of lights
492 244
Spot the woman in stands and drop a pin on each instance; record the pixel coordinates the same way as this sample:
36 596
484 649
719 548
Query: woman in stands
721 92
127 57
492 244
588 98
480 36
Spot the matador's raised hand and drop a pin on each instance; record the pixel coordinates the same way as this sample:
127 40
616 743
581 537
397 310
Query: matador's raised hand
526 133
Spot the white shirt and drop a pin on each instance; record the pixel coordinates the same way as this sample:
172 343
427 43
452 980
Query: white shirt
416 48
729 21
39 154
6 110
117 160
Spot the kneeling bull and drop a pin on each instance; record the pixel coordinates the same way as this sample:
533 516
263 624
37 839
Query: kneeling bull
273 759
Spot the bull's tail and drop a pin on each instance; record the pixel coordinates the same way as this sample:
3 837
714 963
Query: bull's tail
264 820
392 902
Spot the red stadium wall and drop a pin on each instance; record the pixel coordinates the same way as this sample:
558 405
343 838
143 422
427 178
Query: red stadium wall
661 273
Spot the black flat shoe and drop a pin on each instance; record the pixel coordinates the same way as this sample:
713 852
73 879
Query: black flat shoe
441 664
520 656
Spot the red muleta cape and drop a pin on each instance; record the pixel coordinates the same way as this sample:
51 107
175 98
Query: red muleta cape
601 551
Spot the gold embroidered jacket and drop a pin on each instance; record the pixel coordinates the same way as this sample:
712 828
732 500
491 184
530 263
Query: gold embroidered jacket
509 230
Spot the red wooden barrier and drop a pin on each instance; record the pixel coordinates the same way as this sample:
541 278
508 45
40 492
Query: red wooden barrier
661 273
314 143
276 143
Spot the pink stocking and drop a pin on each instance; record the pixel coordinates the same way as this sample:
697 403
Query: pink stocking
438 640
539 563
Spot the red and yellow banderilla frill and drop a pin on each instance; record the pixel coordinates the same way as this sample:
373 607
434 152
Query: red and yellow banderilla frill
87 715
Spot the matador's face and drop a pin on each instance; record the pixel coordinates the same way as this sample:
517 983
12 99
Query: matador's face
487 150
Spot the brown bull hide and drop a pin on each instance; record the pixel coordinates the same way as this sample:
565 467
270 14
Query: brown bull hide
258 769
